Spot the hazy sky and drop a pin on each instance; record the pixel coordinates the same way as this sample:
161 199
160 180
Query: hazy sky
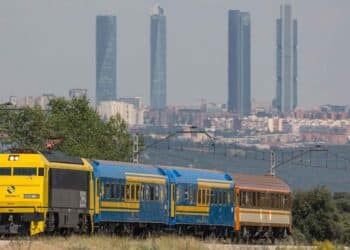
48 46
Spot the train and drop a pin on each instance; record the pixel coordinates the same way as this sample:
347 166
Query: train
50 192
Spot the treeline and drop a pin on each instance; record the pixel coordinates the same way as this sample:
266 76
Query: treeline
75 127
318 215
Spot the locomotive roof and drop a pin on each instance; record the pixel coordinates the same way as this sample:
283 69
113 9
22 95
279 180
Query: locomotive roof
59 157
261 182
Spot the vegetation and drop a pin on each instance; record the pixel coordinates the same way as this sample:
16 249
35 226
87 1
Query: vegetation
319 216
109 242
74 124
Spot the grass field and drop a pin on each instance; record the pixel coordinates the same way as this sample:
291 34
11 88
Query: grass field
106 242
125 243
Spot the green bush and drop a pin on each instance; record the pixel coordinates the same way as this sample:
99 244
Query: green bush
319 216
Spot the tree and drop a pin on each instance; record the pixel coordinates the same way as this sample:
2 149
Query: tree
75 124
316 216
25 127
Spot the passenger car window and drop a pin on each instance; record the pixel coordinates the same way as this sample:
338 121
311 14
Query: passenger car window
107 191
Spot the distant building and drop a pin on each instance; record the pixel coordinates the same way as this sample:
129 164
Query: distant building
278 125
272 124
13 100
44 100
286 61
127 112
32 101
333 108
106 85
239 96
76 93
158 117
158 58
322 133
136 101
236 124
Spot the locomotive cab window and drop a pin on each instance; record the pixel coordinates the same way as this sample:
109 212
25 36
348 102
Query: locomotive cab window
41 171
24 171
5 171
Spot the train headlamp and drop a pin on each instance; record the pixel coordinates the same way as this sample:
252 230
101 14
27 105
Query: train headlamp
13 157
31 196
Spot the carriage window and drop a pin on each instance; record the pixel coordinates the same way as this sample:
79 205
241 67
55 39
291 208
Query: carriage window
5 171
146 193
107 193
137 192
207 196
112 192
242 199
157 193
203 196
284 202
224 197
127 192
131 191
186 194
150 192
119 191
213 197
199 196
228 197
24 171
264 200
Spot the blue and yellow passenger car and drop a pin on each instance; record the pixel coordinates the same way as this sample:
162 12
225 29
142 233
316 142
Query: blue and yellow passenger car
202 200
130 197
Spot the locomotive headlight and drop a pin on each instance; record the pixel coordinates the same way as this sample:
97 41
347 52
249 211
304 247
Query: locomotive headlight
31 196
13 158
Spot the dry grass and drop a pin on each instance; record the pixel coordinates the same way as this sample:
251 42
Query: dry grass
106 242
156 243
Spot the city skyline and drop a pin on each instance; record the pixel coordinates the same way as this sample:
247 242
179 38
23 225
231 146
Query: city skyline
106 58
239 97
158 58
201 72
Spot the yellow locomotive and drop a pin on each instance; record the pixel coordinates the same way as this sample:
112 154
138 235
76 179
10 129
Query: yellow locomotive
39 192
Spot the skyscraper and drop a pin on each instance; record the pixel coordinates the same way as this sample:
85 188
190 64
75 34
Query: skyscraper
286 61
106 86
239 97
158 58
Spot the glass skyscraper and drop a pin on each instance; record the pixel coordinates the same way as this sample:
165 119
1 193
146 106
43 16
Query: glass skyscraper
106 86
286 61
239 96
158 58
